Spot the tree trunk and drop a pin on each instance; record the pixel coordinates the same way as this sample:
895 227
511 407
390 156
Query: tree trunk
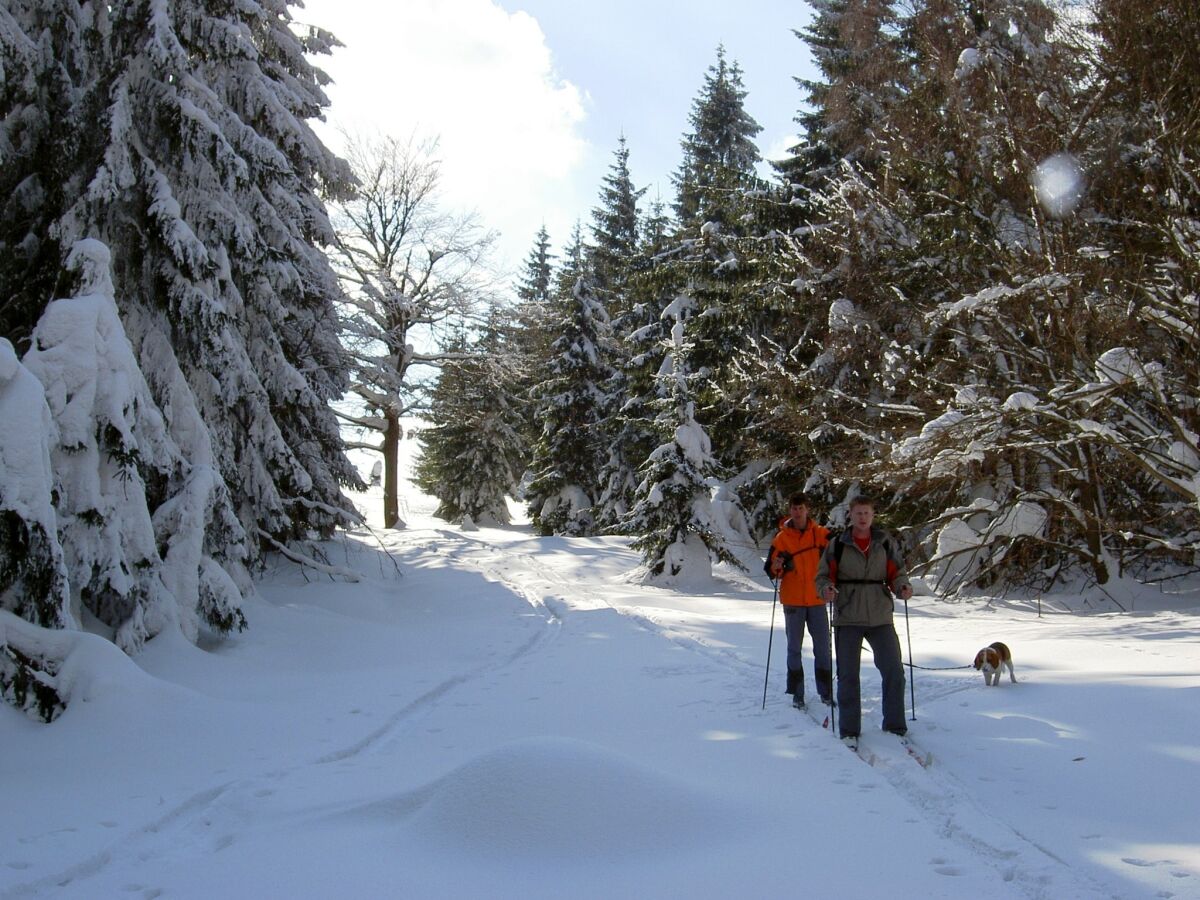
391 471
1091 502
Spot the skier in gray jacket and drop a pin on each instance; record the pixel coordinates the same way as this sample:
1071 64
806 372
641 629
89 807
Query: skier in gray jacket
860 572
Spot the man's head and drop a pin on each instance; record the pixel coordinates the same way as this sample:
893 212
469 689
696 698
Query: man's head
798 507
862 513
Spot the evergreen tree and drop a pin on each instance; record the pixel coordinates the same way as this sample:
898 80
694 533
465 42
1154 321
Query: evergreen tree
193 162
719 154
994 92
613 251
112 440
531 335
34 584
208 197
857 51
977 343
175 138
33 575
613 260
473 453
570 404
673 517
537 278
713 248
52 67
641 333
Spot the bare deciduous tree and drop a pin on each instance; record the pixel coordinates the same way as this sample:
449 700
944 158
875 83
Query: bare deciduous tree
412 270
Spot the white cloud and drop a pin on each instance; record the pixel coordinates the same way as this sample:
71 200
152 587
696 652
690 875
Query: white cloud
480 79
780 147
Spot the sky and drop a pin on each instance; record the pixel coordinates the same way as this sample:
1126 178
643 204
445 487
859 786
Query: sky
486 713
528 98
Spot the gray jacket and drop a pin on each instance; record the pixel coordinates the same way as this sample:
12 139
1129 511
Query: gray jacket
865 582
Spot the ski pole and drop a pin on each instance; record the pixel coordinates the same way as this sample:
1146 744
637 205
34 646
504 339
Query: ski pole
770 640
912 687
833 679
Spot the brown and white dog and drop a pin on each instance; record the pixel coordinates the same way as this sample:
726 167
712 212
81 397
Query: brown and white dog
992 660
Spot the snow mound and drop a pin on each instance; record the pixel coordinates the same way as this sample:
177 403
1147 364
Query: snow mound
568 800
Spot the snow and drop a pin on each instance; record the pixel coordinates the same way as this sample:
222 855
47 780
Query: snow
1121 365
844 315
25 442
931 431
1019 400
968 61
986 301
488 713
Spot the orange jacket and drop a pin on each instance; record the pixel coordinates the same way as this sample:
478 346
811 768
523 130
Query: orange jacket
798 587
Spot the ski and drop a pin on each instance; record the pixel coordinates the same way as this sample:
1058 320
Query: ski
923 758
820 714
854 745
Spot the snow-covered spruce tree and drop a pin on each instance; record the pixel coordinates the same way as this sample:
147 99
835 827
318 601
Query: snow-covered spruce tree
194 163
778 429
744 285
411 268
212 180
1144 54
641 332
856 48
941 215
1132 409
813 367
536 280
530 334
717 190
678 533
33 576
614 259
473 453
612 253
1027 323
570 403
45 69
719 154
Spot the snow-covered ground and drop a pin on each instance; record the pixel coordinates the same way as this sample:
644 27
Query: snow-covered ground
491 714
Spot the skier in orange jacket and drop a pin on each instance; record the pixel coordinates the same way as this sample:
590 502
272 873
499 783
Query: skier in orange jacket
793 558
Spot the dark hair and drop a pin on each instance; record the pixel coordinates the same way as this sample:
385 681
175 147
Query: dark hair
862 500
799 499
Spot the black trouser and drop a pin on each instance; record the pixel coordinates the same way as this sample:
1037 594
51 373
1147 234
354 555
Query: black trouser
885 645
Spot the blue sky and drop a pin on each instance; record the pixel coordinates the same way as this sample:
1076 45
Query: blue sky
642 64
529 97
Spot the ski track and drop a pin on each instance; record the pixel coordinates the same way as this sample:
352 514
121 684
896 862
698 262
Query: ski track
934 793
98 862
207 810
